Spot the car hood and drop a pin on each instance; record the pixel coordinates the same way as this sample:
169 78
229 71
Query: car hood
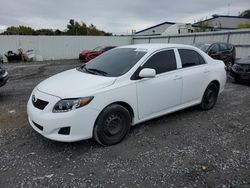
244 61
73 83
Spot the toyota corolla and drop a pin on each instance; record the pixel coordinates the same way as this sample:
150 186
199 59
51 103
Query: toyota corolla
123 87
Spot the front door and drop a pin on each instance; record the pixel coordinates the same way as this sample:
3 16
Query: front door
155 95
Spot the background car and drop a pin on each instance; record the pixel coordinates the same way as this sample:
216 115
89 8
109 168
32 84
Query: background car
219 50
241 70
88 55
3 76
123 87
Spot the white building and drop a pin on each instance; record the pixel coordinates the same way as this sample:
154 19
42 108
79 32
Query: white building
178 28
155 30
222 22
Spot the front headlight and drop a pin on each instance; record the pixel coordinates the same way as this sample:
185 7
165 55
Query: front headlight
236 67
66 105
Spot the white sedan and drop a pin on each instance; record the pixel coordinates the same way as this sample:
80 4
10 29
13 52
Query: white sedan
123 87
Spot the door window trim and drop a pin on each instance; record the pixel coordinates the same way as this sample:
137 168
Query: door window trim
136 72
183 48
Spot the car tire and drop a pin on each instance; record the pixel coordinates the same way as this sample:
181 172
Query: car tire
112 125
209 97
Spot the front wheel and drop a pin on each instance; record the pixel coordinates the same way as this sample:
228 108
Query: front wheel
209 97
112 125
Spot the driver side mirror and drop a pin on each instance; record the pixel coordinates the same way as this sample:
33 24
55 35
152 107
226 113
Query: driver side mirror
147 73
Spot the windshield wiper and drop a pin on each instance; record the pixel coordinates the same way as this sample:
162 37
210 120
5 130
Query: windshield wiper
97 71
83 68
92 70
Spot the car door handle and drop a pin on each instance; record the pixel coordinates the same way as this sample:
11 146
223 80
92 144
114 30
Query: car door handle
177 77
206 71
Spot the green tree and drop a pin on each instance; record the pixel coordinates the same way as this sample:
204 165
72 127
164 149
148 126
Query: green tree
202 26
45 32
73 28
76 28
58 32
244 25
245 14
20 30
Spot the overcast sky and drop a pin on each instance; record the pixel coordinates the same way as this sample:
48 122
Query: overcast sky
116 16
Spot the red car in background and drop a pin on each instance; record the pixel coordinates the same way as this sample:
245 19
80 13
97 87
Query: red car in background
219 50
87 55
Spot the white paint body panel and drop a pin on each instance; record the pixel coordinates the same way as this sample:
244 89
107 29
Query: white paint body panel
148 97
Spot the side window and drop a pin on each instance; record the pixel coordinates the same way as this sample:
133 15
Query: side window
229 46
163 61
190 58
223 47
215 48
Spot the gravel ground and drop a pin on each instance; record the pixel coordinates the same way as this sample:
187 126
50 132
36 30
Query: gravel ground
190 148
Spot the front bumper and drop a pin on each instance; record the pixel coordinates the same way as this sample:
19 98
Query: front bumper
4 78
241 76
80 121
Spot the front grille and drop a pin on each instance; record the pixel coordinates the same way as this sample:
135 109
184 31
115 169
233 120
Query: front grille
38 126
40 104
243 68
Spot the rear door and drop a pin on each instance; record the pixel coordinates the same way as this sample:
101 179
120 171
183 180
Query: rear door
162 92
195 75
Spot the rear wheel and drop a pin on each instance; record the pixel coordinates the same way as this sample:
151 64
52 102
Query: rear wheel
112 125
209 97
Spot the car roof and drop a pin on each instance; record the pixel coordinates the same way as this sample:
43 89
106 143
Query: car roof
157 46
210 43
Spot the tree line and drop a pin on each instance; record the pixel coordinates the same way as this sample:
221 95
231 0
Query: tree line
73 28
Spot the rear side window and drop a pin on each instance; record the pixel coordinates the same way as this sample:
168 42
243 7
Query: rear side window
190 58
163 61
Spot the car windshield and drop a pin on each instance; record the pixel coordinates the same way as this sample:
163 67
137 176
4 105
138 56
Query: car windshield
203 46
115 62
97 48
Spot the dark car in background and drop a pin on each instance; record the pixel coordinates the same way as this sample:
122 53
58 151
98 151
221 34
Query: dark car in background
88 55
219 50
241 70
3 76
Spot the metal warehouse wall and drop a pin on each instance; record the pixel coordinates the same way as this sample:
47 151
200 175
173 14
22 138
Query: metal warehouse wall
240 38
58 47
